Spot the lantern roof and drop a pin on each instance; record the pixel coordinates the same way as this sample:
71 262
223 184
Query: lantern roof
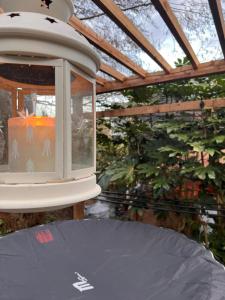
35 34
60 9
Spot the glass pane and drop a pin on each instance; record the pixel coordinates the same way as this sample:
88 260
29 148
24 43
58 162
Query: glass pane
197 22
6 99
82 115
27 116
223 8
145 17
114 64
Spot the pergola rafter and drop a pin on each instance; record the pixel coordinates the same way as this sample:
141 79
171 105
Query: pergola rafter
216 9
101 81
116 14
105 46
112 72
186 72
171 21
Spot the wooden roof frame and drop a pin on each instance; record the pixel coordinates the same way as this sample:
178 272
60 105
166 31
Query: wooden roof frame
105 46
116 14
147 110
142 77
186 72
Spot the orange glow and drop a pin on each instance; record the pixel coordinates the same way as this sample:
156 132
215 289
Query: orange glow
32 121
31 143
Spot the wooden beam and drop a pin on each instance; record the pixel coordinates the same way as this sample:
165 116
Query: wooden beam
216 9
170 19
20 101
44 92
186 72
116 14
101 81
78 211
112 72
105 46
6 86
163 108
15 84
14 103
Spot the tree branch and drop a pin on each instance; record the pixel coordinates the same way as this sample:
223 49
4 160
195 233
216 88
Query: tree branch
123 9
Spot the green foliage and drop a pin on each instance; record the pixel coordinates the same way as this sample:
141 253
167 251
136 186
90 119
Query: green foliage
165 153
182 62
217 243
182 90
1 227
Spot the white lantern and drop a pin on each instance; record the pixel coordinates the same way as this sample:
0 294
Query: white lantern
47 108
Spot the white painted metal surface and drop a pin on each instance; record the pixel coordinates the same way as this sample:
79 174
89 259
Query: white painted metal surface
61 9
48 196
34 32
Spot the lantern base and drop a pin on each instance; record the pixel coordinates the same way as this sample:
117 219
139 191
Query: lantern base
27 198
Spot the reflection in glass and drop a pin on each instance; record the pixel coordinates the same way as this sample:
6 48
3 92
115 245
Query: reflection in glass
5 114
82 115
27 116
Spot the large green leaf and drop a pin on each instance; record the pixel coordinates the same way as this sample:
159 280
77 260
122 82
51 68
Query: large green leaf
197 146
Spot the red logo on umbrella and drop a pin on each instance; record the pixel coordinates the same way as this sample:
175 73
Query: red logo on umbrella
44 236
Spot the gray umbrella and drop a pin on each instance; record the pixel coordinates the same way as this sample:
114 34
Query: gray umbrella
106 260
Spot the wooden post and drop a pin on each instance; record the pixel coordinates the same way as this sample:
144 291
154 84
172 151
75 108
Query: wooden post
14 103
20 101
78 211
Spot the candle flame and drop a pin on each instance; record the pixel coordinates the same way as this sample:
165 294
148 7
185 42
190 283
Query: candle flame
32 121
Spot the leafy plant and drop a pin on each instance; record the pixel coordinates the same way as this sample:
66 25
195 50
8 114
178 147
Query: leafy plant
177 157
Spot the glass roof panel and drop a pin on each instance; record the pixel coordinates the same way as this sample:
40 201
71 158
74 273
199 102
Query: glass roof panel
223 7
105 76
85 9
197 22
149 22
103 25
194 16
113 63
113 34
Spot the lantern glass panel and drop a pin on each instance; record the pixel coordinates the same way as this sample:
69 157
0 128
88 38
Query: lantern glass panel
82 116
27 118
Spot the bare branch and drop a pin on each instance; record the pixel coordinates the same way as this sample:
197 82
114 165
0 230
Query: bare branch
123 9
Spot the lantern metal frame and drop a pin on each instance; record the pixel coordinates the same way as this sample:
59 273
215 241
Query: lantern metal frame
82 173
65 186
34 34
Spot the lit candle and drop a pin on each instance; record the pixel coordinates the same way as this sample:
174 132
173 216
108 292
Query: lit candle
31 144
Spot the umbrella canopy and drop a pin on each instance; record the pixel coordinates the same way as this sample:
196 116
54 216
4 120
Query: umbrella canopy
106 260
